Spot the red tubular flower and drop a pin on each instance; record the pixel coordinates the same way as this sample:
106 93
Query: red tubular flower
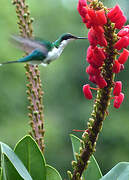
96 17
116 67
120 22
122 43
100 17
92 71
92 16
81 7
92 79
123 57
93 59
117 88
95 37
117 17
92 38
99 54
114 11
100 81
118 100
102 41
87 91
124 32
99 30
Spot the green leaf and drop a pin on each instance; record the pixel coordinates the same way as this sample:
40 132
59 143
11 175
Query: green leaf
9 170
9 157
93 170
1 172
52 173
33 159
119 172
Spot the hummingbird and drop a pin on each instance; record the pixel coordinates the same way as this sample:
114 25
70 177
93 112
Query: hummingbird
41 52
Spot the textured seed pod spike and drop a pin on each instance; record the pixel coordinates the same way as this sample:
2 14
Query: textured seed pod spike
34 86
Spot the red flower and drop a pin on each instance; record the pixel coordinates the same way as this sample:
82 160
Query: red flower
95 36
92 71
122 43
93 58
99 30
100 17
81 7
97 17
120 22
118 100
82 3
117 88
92 38
116 67
124 31
114 12
100 81
99 54
123 57
87 91
92 79
116 16
92 16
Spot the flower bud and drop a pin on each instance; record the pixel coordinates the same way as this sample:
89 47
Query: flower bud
116 16
118 100
100 81
92 71
116 67
122 43
87 91
82 7
123 56
123 32
117 88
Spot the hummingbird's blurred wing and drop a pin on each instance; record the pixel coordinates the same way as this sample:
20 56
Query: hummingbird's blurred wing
29 45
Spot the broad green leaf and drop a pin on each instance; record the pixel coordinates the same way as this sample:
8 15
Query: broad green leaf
119 172
52 173
7 155
93 170
33 159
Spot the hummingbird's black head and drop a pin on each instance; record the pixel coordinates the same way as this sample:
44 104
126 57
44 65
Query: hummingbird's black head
64 39
69 36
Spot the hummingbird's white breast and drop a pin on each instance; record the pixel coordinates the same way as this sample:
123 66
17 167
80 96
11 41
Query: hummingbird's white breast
55 52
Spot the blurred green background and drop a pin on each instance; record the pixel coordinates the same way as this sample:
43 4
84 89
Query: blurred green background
65 107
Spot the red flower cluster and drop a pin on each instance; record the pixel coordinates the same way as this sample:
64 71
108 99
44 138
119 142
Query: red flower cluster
96 57
95 20
123 42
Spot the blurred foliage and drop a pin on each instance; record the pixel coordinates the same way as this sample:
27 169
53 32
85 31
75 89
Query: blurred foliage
65 107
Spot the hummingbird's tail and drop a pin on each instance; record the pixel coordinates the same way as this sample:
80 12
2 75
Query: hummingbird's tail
9 62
